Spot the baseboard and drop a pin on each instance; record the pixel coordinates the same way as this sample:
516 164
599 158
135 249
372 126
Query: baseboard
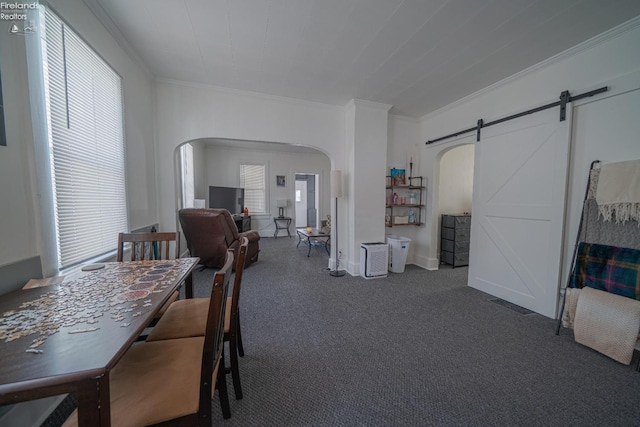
427 263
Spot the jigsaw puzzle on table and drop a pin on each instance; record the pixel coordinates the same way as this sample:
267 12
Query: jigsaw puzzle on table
122 290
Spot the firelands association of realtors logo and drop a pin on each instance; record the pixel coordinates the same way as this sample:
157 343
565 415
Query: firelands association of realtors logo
19 15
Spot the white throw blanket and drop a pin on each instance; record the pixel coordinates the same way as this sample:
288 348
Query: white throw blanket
607 323
618 192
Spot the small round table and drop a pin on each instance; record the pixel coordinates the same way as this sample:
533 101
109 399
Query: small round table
282 223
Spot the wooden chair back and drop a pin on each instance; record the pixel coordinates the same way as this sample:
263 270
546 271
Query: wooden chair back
237 280
213 338
149 246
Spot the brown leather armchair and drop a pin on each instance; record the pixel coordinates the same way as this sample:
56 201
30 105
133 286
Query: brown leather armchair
210 232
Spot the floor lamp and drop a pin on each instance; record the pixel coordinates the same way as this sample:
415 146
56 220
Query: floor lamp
336 192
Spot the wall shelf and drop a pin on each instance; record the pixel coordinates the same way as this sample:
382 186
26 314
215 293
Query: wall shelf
398 213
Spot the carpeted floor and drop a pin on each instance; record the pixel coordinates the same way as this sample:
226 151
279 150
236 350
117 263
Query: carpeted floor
416 349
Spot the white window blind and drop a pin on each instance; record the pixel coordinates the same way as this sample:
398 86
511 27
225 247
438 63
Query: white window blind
84 106
253 182
188 175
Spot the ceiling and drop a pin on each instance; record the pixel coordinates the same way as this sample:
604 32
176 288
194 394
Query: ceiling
417 55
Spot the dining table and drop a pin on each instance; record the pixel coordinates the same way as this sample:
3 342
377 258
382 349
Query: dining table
66 338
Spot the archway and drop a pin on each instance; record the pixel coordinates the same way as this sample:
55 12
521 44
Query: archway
455 190
217 162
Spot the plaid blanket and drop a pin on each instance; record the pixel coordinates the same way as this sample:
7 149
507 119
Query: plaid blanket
607 268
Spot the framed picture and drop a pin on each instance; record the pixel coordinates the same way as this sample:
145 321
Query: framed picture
398 177
281 180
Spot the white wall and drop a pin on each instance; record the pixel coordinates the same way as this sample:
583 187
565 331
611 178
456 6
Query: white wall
610 59
364 178
222 166
456 180
17 227
186 112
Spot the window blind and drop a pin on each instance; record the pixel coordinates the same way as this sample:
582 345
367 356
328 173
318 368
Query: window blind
253 182
84 107
188 175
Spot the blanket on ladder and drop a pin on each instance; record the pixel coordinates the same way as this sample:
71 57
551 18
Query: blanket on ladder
618 191
607 323
607 268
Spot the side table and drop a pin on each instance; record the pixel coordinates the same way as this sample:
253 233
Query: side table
282 223
314 237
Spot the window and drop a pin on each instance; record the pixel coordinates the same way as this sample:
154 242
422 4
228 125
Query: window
86 143
253 182
188 177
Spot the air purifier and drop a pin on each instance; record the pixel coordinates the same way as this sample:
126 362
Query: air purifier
374 260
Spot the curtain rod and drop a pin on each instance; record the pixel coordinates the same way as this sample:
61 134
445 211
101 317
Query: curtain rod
565 98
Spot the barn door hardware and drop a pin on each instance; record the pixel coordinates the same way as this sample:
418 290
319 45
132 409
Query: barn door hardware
478 127
565 98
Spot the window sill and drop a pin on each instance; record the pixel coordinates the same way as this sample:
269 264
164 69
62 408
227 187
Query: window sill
108 257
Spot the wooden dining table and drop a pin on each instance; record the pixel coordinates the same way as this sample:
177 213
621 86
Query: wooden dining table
66 338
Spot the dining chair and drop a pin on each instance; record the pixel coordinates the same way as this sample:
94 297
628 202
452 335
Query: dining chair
151 246
148 246
172 382
186 318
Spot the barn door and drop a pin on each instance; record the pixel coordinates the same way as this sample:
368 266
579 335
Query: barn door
520 179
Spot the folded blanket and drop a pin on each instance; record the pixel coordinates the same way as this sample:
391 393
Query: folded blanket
607 268
570 304
618 191
607 323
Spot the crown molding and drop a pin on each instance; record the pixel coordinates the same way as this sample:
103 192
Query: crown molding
369 104
403 118
611 34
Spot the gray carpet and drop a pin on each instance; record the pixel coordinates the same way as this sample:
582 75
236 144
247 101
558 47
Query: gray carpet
417 349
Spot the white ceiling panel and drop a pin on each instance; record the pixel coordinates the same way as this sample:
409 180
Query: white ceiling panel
417 55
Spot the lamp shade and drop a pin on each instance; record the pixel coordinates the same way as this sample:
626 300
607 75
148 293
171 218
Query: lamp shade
282 203
336 183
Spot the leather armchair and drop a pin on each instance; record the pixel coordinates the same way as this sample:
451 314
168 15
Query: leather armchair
210 232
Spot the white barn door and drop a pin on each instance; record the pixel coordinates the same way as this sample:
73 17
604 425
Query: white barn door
520 180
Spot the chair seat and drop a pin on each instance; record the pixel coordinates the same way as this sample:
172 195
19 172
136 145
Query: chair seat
174 296
186 318
155 382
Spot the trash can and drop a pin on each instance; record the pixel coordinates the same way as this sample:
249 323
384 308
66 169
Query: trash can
398 248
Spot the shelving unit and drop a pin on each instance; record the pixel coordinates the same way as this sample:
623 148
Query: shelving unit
454 239
397 212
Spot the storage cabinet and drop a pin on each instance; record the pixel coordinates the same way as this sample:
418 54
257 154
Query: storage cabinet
243 222
404 202
454 239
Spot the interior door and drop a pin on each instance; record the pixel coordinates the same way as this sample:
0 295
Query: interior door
312 212
306 210
520 180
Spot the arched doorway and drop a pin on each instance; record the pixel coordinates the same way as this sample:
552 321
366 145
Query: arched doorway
218 162
456 180
455 191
